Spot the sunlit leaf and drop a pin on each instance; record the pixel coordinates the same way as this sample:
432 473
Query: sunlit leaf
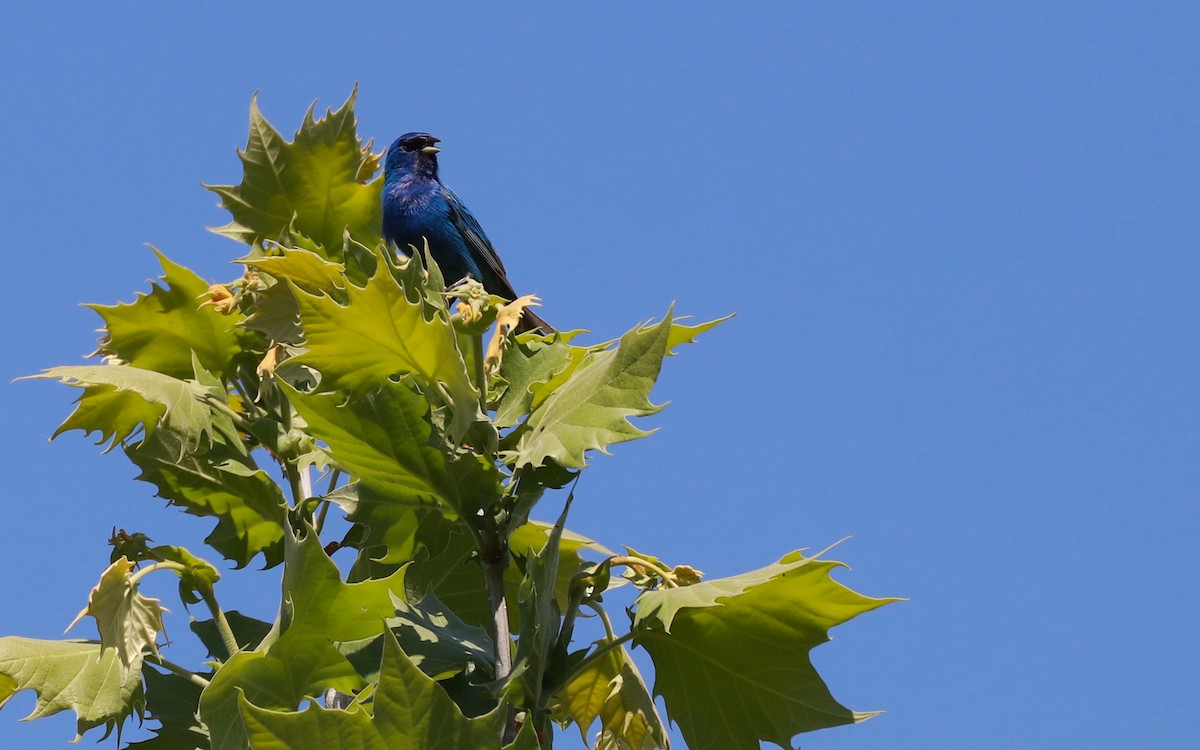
591 396
377 334
386 440
110 404
612 690
128 622
75 675
160 331
319 184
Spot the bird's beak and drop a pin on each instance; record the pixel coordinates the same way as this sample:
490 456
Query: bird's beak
430 150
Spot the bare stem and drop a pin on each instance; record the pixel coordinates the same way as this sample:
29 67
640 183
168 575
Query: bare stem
493 578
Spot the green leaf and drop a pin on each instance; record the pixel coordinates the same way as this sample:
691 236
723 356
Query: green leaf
526 364
385 439
224 484
128 622
612 690
437 641
76 675
391 533
172 701
731 655
541 616
591 409
456 578
249 632
319 185
304 268
318 611
276 315
410 710
119 398
198 576
161 330
380 334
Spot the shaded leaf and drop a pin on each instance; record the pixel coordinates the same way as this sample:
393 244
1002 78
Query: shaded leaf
437 641
731 655
541 616
249 632
318 610
410 710
173 702
224 484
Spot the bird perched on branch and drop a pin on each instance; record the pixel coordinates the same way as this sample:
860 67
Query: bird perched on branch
418 208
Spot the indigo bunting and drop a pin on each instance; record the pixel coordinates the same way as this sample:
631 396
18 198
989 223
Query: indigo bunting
418 208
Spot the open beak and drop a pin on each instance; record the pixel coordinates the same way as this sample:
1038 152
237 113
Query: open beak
430 150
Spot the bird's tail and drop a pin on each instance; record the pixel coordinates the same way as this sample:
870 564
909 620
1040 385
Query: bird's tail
531 321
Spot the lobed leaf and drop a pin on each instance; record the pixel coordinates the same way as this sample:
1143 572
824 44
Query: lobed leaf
410 710
77 675
318 610
731 655
220 483
612 690
378 334
128 622
591 409
160 331
320 184
117 399
172 701
385 439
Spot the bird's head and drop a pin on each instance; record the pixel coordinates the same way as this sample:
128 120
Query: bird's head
413 152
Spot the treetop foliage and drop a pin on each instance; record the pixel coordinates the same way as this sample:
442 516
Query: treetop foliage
332 375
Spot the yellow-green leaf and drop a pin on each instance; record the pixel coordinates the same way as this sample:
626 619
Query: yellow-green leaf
320 184
127 621
378 334
76 675
159 331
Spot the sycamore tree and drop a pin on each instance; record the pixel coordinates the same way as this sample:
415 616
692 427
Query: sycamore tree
330 376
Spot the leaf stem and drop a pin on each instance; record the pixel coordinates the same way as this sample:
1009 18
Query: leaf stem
210 599
480 378
608 628
161 565
176 669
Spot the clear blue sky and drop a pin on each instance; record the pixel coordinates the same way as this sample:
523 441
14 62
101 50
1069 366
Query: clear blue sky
961 239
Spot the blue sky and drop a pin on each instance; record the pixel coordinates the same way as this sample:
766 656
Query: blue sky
961 239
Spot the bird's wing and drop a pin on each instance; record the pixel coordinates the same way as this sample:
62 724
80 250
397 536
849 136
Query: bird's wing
476 240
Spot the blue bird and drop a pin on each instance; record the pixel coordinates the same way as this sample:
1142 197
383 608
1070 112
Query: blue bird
418 208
